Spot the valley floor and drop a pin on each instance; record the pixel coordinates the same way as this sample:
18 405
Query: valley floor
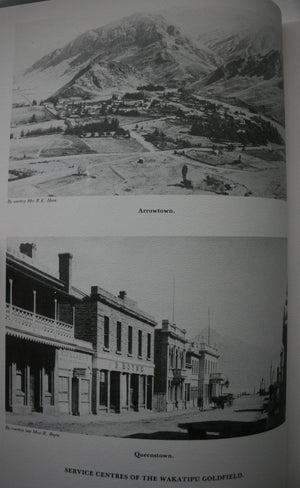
143 173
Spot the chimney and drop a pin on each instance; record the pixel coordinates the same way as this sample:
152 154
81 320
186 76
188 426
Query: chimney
165 324
29 249
94 291
122 294
65 270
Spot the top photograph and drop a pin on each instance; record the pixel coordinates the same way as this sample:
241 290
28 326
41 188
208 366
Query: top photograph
130 98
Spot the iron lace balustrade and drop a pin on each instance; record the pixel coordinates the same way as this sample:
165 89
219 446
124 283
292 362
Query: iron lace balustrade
25 321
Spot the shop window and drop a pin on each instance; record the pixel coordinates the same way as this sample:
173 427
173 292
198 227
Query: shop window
103 388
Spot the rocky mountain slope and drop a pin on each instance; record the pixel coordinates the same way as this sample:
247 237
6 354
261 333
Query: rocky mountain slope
137 49
243 67
251 72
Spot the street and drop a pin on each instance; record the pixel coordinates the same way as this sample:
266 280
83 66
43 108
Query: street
144 424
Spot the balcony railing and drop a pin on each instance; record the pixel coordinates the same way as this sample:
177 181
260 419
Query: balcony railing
209 349
29 322
218 377
179 374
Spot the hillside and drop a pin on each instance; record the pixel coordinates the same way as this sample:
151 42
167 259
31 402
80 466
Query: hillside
242 67
137 49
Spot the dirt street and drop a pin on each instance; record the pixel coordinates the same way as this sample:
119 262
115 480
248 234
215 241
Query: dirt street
155 425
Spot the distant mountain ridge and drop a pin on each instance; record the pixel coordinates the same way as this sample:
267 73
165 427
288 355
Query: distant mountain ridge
251 71
246 42
266 66
138 48
145 48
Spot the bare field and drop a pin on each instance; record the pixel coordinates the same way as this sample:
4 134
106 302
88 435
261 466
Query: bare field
47 146
252 160
177 130
160 173
69 165
23 115
44 126
113 145
30 147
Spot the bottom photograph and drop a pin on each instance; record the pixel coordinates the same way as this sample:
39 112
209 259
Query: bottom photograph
175 338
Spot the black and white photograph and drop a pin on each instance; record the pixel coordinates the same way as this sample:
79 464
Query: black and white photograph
149 98
170 338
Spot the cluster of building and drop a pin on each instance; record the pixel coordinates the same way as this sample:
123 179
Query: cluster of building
74 353
144 103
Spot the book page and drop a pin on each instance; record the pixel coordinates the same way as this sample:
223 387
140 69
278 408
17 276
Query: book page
292 69
144 249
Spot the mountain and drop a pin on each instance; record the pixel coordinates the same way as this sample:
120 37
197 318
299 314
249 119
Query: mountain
137 49
251 72
243 67
244 364
242 43
266 66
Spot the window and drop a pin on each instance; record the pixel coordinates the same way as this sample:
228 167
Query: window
48 380
140 347
171 358
149 346
103 388
119 336
20 378
106 332
129 339
182 360
187 392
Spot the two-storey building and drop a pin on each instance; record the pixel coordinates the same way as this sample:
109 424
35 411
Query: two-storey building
70 352
211 381
170 367
47 368
123 338
186 372
192 365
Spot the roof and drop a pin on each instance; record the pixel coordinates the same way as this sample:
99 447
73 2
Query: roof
31 268
126 305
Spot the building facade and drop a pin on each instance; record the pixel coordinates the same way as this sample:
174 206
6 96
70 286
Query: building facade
170 367
123 340
192 379
77 353
186 373
211 382
47 369
70 352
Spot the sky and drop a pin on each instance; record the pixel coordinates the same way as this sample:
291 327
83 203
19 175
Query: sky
242 281
35 39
